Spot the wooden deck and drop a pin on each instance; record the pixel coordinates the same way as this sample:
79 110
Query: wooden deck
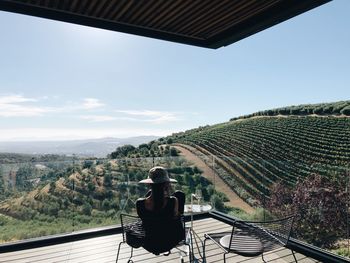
103 249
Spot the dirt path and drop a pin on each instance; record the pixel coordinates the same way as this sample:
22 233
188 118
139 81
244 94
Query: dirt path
220 185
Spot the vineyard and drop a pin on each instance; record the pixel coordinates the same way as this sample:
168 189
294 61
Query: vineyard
258 152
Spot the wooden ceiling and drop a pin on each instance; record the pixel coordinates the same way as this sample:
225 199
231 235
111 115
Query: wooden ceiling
204 23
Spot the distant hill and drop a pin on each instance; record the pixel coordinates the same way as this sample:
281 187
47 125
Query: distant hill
84 148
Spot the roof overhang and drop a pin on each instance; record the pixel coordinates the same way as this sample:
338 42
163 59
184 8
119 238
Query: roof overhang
204 23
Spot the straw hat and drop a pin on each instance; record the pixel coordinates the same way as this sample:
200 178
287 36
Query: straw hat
157 175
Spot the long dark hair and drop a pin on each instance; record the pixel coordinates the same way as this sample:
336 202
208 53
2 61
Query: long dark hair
158 195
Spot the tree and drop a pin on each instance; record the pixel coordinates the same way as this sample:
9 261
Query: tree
346 110
217 203
173 152
88 164
106 205
144 146
22 176
281 200
91 186
52 187
2 183
196 170
123 151
53 209
86 209
107 181
319 203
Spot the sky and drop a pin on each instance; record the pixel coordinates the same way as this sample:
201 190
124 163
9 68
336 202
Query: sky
62 81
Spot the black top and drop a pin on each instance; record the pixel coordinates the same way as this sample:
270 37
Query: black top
166 212
163 230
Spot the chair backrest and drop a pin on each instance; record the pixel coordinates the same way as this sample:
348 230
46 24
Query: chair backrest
132 230
159 222
135 232
272 234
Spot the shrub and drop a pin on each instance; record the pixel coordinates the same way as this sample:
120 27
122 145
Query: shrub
218 203
346 111
319 203
87 208
173 152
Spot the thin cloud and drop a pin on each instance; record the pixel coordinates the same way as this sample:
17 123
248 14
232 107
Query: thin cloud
151 116
98 118
10 99
92 103
16 106
21 106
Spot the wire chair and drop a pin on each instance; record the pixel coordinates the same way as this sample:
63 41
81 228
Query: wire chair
251 239
133 234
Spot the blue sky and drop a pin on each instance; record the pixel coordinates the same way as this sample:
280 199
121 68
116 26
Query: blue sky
64 81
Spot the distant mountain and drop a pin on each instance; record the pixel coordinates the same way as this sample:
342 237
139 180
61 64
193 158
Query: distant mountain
84 148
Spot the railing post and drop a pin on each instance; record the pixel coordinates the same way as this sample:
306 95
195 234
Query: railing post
213 168
348 209
73 189
264 181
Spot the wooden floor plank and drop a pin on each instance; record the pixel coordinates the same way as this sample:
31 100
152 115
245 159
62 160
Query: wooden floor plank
104 250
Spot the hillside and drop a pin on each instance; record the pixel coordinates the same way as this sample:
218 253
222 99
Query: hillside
254 153
59 197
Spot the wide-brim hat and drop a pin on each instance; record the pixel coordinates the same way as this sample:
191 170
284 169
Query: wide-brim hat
157 175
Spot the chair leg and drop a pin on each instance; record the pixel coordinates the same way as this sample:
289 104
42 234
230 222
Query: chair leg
295 259
116 261
132 250
225 257
190 255
192 250
262 256
204 259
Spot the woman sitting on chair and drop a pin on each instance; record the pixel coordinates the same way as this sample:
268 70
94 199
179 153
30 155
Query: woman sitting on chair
161 213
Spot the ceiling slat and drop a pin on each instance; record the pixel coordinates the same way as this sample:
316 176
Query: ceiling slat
229 22
160 14
204 15
232 12
176 16
207 23
144 5
126 8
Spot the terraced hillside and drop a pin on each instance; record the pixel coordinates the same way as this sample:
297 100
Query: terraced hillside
259 151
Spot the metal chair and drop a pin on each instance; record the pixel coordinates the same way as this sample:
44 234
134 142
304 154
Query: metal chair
133 234
251 239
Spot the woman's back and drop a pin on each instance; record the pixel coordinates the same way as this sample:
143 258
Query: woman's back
163 229
144 206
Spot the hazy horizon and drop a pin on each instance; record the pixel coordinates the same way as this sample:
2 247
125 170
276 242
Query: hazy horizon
71 140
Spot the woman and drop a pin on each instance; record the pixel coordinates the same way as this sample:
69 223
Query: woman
160 213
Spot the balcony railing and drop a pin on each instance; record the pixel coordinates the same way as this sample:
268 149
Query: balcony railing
71 197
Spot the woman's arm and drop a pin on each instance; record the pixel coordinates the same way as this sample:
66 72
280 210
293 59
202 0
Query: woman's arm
176 207
139 205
